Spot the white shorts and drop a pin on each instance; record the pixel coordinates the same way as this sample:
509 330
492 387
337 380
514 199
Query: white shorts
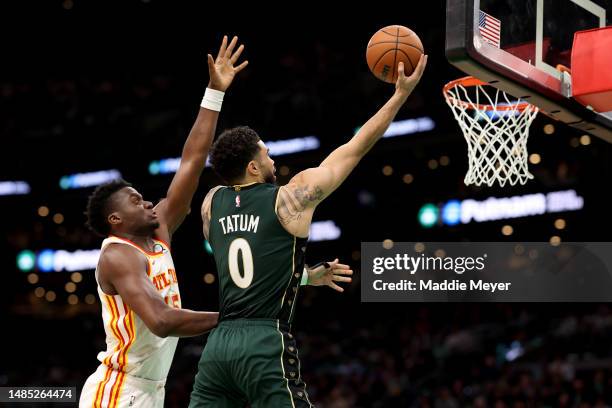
108 388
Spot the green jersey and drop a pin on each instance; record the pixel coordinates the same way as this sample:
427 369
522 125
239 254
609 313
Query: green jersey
259 263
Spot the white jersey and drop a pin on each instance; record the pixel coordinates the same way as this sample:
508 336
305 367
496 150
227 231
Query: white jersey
131 348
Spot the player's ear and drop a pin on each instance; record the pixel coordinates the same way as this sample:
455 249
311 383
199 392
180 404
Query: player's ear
253 168
113 218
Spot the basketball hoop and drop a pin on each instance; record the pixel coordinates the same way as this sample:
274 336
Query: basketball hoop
496 129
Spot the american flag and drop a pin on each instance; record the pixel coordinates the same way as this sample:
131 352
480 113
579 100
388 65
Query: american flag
490 28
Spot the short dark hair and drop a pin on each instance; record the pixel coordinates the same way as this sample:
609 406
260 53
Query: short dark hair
232 151
97 206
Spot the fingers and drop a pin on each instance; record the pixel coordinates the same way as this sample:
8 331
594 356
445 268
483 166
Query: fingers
211 66
230 48
241 66
420 68
400 70
336 287
236 55
346 272
341 279
331 264
422 64
223 47
341 266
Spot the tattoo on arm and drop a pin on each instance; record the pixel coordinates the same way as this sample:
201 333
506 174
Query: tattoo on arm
307 195
293 201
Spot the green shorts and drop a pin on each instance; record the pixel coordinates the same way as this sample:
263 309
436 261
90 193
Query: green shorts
249 361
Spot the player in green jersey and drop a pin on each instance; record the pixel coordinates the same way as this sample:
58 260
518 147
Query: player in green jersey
258 232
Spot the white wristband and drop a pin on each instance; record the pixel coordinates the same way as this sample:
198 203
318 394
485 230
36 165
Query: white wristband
212 100
304 281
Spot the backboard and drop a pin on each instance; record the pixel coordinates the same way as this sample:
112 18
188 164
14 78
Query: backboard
516 46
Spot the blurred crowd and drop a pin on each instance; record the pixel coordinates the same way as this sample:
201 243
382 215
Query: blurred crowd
374 356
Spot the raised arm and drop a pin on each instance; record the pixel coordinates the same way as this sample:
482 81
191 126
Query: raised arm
177 204
125 269
341 162
308 188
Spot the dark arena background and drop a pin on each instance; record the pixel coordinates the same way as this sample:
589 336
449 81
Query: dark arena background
113 88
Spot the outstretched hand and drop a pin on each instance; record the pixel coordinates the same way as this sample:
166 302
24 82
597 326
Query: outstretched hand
406 84
222 70
329 273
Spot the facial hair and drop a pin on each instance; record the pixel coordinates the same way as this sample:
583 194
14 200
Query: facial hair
270 177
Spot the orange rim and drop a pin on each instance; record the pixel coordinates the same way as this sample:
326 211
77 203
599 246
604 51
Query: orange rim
470 81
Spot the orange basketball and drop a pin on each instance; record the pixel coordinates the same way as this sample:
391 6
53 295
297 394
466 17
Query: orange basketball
390 45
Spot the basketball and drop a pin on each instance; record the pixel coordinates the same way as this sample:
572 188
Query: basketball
390 45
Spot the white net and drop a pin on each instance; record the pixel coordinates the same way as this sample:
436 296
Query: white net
496 130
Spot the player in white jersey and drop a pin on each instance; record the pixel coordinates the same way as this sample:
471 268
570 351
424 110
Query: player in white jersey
137 283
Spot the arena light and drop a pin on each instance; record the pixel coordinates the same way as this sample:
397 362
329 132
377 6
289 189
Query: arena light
501 208
82 180
26 260
49 260
451 212
79 260
44 260
165 166
515 351
567 200
407 127
154 168
493 208
277 148
428 215
8 188
410 126
289 146
324 231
